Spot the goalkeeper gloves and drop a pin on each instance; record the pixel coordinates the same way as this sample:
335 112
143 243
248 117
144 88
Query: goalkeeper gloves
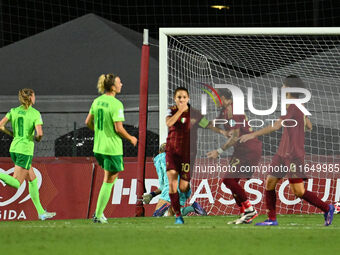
147 198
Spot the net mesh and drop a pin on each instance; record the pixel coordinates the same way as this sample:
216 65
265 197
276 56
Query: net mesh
261 62
21 19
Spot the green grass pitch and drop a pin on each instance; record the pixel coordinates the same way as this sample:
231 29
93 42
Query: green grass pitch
296 234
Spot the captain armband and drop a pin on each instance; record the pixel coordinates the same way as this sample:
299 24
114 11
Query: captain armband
203 123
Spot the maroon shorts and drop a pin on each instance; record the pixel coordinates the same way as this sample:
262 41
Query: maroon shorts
240 161
292 168
180 163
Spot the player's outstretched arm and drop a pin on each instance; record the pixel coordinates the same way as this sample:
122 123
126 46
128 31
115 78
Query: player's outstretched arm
148 197
218 130
234 134
124 134
267 130
3 128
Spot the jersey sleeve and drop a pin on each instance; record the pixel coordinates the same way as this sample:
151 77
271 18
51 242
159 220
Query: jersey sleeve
38 120
171 111
92 109
118 113
9 115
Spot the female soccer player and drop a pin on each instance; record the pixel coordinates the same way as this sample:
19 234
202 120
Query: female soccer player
246 154
106 118
163 204
183 122
25 120
290 153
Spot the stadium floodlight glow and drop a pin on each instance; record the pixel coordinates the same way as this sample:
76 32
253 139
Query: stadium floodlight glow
220 7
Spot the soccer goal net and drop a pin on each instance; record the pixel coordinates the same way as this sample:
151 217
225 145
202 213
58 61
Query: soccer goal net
204 58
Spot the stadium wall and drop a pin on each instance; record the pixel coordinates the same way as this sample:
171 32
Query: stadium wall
70 186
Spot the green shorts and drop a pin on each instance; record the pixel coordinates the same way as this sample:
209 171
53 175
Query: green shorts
110 163
24 161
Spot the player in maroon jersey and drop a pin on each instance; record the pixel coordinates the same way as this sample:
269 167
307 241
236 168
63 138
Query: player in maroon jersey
291 154
183 122
245 154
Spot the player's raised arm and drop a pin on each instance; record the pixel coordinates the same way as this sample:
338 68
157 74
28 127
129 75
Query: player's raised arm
171 120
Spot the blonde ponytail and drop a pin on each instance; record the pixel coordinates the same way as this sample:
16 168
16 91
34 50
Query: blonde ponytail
100 84
105 82
25 97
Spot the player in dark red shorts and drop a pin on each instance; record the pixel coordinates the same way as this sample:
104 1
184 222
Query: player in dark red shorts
245 154
183 122
291 154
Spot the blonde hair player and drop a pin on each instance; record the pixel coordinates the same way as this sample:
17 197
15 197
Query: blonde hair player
25 122
106 118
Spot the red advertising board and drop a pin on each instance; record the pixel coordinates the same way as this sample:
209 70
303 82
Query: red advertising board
64 188
123 199
70 187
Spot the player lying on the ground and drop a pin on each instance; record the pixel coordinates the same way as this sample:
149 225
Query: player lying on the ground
245 154
163 204
291 154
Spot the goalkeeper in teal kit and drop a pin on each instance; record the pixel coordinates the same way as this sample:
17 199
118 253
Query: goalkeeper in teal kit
163 204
